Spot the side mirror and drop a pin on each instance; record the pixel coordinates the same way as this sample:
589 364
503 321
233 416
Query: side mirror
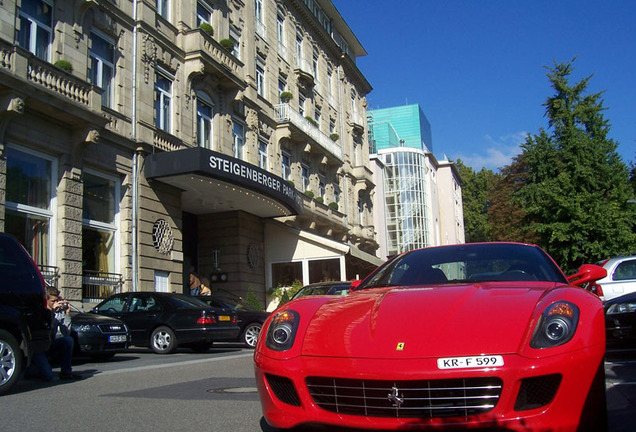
587 273
355 284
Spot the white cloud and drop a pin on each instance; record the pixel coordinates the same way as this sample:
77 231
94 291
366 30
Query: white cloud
497 152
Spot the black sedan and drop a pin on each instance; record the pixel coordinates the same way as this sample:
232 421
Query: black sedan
620 323
98 336
250 320
165 321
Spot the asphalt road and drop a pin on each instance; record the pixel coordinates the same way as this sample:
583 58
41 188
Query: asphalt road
139 391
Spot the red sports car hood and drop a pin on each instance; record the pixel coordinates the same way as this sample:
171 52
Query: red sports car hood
451 320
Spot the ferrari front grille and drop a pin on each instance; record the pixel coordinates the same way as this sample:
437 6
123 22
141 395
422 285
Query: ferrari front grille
406 399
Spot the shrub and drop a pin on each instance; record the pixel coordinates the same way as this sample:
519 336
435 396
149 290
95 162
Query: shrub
334 205
311 120
309 193
207 27
252 300
227 44
334 136
65 65
286 96
320 199
284 294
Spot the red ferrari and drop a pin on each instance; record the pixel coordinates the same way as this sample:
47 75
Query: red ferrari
482 335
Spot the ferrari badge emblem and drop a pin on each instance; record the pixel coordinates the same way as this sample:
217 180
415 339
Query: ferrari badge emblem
400 346
395 397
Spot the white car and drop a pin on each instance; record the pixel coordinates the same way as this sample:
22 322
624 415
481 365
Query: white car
620 279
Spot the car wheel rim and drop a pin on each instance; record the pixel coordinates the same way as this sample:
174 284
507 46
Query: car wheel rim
7 362
251 335
162 341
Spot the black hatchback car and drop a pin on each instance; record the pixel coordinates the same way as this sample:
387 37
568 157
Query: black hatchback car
165 321
250 320
98 336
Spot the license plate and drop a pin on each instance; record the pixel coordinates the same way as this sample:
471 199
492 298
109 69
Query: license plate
117 338
224 317
469 362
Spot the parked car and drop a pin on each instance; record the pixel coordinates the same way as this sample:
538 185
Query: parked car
470 336
620 323
250 320
165 321
324 288
620 279
98 336
25 322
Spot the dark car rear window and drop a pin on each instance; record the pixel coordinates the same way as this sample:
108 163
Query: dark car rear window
17 272
182 300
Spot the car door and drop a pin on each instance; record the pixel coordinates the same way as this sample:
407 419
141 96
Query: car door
142 315
623 279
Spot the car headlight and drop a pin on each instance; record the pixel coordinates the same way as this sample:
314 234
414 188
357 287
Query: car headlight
282 330
620 308
556 326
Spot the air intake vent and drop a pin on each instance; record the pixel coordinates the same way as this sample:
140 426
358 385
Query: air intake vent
537 391
284 389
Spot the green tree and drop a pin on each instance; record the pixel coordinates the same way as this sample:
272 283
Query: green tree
475 189
576 189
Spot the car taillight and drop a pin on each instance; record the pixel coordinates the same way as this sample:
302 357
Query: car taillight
596 289
206 319
234 319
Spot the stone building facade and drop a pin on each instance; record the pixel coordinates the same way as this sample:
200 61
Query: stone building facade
142 139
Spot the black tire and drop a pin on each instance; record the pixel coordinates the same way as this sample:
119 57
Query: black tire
201 348
251 334
11 361
163 340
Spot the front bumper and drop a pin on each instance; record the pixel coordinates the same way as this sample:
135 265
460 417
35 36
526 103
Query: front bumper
561 410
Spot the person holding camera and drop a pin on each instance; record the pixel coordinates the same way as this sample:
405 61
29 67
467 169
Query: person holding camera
62 342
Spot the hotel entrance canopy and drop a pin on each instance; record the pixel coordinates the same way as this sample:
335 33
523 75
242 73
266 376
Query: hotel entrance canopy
213 182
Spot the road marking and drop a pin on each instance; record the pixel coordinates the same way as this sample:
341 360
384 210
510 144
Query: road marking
167 365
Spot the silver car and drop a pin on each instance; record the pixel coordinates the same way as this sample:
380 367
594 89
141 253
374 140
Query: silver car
620 279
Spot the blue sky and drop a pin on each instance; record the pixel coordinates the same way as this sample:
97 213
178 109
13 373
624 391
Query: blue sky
477 68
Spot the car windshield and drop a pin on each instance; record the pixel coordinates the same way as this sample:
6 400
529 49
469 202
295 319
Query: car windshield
478 262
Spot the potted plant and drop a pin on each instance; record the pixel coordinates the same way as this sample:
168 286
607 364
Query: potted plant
311 120
309 193
320 199
286 96
333 205
228 44
207 27
65 65
334 136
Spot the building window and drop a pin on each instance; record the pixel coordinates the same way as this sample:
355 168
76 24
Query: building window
163 8
317 116
330 98
163 100
205 116
282 85
360 212
102 72
314 64
262 155
99 223
305 177
301 104
336 194
299 47
238 139
204 13
286 166
285 274
162 281
324 270
235 37
332 125
260 18
30 198
321 187
36 24
280 32
260 76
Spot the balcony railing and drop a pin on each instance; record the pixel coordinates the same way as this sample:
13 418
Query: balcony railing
28 67
285 113
50 274
99 285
